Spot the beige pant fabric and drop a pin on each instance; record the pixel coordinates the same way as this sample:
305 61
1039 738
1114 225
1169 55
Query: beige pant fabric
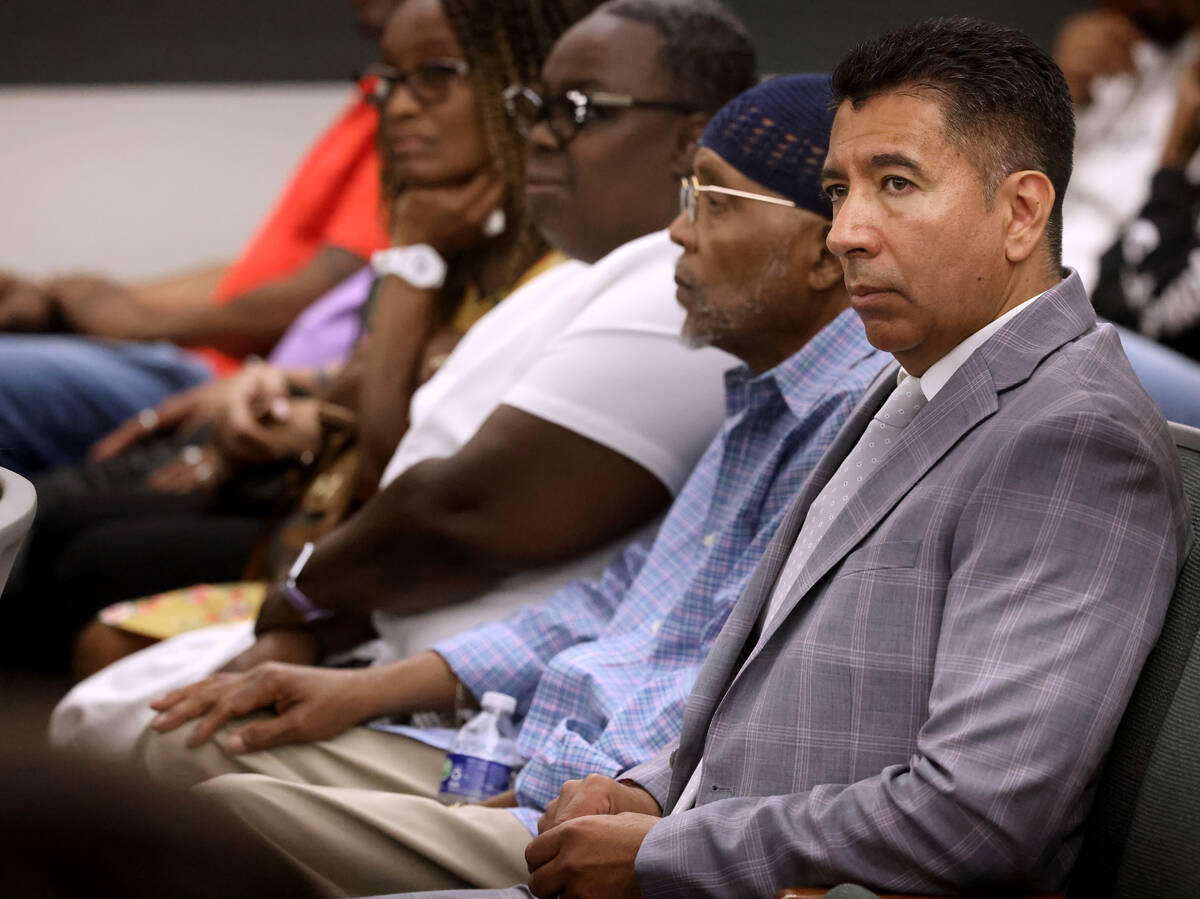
356 814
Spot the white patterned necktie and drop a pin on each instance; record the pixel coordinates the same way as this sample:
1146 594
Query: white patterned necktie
880 435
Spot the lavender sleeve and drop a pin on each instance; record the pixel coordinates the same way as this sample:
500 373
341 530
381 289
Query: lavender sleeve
327 330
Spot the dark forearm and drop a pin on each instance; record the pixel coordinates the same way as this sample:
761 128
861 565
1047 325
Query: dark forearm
402 321
251 322
394 556
521 494
187 291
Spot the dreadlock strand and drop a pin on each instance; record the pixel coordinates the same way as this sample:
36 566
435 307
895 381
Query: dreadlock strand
506 42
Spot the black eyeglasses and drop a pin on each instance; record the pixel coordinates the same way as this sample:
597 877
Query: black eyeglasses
569 111
429 83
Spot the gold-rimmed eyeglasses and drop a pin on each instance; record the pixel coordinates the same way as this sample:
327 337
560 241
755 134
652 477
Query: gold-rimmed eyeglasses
690 188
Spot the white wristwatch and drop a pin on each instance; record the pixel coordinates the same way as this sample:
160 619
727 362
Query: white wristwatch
420 265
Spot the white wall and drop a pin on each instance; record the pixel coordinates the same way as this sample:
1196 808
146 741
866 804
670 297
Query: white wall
143 181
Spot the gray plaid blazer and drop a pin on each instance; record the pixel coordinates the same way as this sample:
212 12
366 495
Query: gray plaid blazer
930 709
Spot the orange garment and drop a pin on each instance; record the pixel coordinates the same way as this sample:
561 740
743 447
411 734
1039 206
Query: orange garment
331 200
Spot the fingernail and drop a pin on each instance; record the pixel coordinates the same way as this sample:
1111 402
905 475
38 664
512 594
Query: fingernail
159 721
236 744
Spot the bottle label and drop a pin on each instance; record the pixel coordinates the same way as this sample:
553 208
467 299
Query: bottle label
473 777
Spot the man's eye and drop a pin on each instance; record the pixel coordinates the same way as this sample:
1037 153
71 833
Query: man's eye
835 192
560 109
896 184
601 113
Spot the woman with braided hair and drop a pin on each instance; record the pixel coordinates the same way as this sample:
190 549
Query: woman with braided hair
446 197
452 177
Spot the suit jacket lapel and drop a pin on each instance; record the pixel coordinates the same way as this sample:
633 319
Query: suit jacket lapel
934 430
758 591
727 652
1008 358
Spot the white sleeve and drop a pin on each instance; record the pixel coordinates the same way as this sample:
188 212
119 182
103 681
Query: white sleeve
621 376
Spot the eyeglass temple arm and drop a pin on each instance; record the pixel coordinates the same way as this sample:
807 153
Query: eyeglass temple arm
713 188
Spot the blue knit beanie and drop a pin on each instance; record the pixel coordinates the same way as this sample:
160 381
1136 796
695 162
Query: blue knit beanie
777 133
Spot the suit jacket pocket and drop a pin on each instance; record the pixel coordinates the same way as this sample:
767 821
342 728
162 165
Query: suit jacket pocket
874 556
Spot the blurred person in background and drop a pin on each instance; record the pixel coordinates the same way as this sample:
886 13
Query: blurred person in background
452 160
1123 63
563 421
80 355
1150 276
1130 68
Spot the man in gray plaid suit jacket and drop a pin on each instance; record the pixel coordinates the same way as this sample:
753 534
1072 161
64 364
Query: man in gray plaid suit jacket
918 694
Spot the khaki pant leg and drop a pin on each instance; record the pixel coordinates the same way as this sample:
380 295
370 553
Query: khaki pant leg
359 758
353 842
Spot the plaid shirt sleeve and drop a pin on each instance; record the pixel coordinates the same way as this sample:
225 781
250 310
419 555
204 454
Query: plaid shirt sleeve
510 656
572 750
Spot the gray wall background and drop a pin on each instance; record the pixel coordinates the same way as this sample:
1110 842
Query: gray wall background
138 41
142 137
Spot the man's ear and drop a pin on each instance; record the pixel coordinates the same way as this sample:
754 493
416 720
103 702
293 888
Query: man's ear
1027 199
826 271
686 139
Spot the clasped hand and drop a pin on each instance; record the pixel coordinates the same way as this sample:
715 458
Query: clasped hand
588 840
261 422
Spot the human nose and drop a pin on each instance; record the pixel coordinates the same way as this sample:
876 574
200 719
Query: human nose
401 101
542 136
683 232
853 231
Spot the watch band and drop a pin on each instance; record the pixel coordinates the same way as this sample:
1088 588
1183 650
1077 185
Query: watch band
420 265
309 610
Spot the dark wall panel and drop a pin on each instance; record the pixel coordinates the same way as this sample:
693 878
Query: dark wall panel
802 35
113 41
60 41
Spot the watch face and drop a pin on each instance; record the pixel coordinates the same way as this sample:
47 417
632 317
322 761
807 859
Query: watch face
425 267
419 265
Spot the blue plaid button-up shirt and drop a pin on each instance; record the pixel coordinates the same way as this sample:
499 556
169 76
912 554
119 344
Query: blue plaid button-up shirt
602 669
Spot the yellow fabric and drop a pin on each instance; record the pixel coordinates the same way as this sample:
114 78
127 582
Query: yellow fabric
474 307
176 611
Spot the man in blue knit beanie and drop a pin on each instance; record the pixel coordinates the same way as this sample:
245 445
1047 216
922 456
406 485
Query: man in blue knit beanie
601 670
754 218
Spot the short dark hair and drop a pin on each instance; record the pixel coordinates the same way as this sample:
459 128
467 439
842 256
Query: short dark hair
706 51
1004 100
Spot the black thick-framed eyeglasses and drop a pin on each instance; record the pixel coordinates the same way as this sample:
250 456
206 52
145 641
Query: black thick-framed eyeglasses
569 111
429 83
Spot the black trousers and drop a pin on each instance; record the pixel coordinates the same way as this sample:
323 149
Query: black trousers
100 537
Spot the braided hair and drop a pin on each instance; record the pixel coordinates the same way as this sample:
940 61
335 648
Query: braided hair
506 42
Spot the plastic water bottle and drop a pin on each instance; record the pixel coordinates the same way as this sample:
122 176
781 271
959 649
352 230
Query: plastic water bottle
483 756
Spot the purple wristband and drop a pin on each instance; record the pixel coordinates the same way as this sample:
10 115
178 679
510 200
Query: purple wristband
309 610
